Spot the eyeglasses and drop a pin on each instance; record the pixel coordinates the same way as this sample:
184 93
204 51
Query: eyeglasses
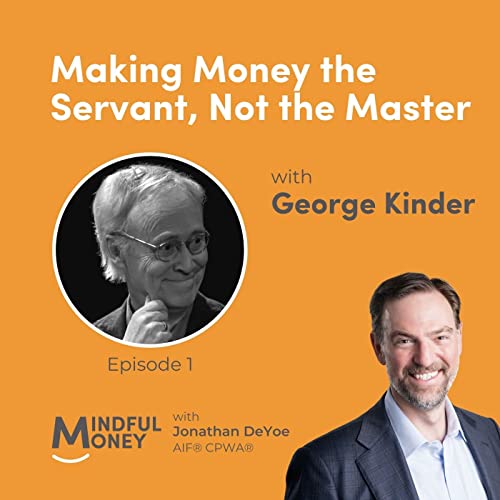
170 248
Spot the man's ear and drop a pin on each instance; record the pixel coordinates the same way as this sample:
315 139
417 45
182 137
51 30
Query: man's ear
377 348
115 252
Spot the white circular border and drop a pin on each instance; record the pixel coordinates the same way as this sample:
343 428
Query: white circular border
243 268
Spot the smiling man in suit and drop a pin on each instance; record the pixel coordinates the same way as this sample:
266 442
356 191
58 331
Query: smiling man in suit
413 444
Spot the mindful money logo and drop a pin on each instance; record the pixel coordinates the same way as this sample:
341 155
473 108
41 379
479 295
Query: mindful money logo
74 439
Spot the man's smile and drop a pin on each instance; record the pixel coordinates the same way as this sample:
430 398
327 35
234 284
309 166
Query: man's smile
184 279
425 377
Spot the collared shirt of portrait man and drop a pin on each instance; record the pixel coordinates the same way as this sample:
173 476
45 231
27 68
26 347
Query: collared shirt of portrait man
413 444
151 234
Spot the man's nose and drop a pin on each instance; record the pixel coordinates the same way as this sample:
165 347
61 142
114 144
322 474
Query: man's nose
184 261
424 353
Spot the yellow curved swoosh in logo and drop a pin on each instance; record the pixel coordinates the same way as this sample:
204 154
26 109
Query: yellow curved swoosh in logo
71 460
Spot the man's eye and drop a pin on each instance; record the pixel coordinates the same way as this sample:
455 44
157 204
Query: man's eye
403 341
197 242
168 246
442 338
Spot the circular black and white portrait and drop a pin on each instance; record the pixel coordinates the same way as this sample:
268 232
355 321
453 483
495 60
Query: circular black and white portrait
149 250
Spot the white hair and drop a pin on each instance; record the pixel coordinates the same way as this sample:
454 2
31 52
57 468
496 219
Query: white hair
121 191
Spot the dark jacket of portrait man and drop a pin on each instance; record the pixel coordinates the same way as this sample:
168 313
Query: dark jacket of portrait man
151 234
413 444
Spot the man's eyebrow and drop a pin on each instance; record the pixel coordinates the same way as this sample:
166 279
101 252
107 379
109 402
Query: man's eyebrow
447 329
395 333
167 235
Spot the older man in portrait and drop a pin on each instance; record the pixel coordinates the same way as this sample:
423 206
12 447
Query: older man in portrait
413 444
151 235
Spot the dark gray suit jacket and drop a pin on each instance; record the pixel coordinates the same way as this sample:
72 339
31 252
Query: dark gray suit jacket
362 460
204 310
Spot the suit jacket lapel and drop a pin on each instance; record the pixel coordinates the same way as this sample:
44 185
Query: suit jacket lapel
483 454
383 465
115 323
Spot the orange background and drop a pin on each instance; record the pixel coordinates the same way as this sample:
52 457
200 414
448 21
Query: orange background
293 350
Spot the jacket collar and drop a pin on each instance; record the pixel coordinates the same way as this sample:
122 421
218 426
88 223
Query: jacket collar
383 465
482 452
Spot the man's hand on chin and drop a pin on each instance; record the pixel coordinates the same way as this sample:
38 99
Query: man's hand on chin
148 324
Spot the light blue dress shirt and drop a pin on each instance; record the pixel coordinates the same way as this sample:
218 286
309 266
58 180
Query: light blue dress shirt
440 470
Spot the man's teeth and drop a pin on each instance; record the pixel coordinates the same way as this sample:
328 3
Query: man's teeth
425 376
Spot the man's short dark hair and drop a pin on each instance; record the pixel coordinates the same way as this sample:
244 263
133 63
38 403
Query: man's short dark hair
403 285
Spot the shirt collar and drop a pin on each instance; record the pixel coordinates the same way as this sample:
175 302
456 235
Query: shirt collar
128 310
408 435
453 427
